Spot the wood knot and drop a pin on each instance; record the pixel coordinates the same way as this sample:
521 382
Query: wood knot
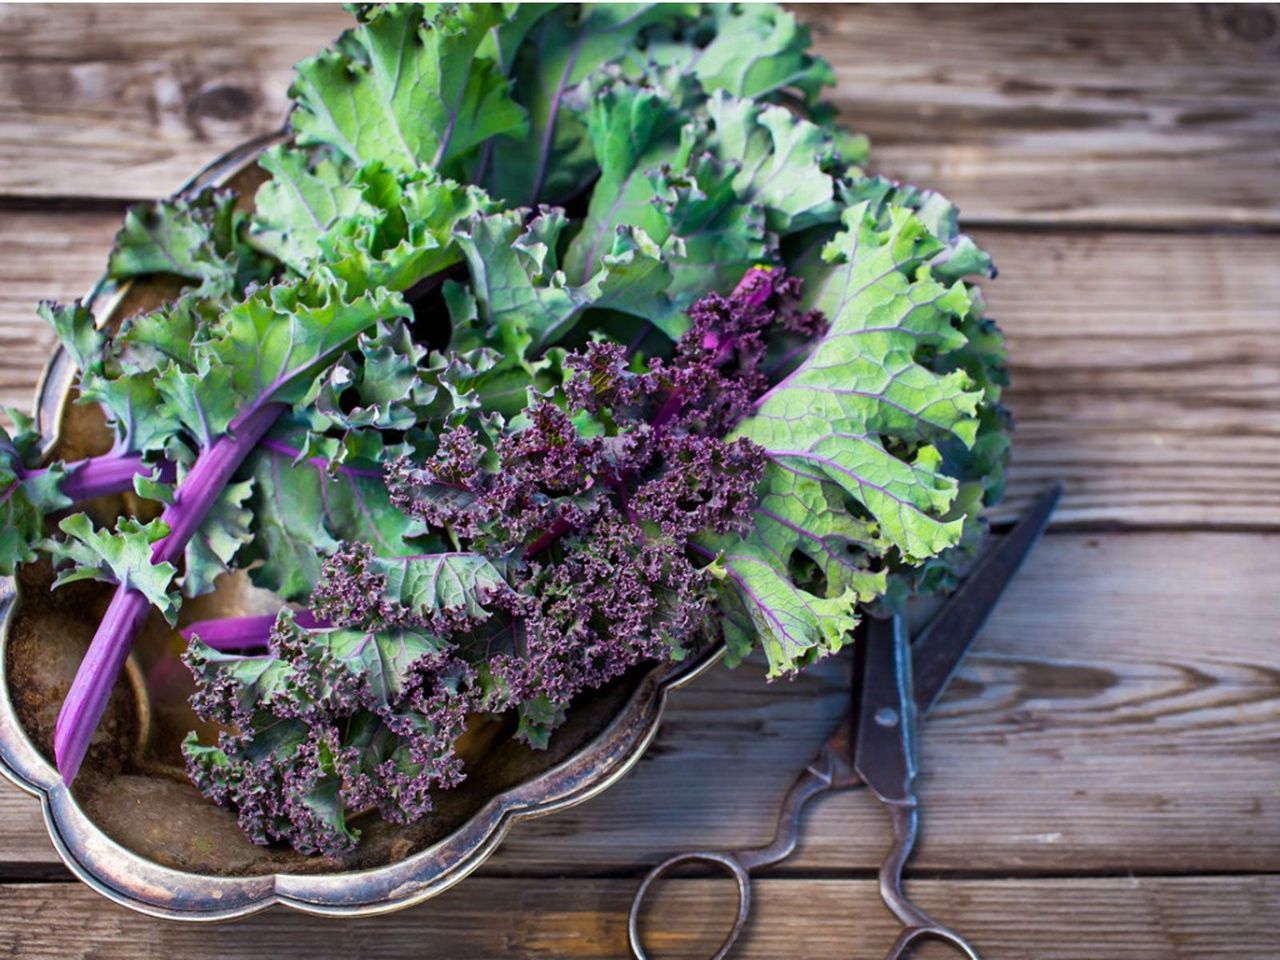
223 102
1255 24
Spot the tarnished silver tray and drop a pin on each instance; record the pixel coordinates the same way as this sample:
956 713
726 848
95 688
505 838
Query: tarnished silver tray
135 830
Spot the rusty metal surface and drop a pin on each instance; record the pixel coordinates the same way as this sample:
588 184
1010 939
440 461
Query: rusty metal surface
135 831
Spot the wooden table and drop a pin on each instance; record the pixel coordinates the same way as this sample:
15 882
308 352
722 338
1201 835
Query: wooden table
1103 779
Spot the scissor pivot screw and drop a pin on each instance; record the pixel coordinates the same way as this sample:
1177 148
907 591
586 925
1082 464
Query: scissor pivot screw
887 717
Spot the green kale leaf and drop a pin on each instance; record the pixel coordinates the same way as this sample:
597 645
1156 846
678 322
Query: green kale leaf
825 424
408 88
122 556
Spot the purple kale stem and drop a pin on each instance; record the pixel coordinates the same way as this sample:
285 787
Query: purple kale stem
112 473
548 135
557 530
87 699
232 634
99 476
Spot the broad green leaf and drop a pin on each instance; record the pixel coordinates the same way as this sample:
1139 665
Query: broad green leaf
783 162
200 398
503 42
134 411
960 256
195 365
406 88
303 198
404 230
122 556
428 584
554 159
26 493
147 342
382 384
978 466
712 238
748 50
520 301
371 225
226 528
714 187
636 278
634 129
78 331
723 199
278 339
195 238
861 382
792 626
850 433
304 507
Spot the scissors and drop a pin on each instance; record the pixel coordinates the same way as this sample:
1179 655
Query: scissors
895 683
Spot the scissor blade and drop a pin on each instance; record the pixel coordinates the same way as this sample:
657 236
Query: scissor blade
885 720
937 652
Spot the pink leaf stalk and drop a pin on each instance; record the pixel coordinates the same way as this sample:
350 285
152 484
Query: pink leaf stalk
87 699
232 634
99 476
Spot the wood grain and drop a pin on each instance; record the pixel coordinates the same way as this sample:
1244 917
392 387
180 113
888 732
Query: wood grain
43 256
1135 729
1068 114
1116 114
1101 780
1146 374
1146 367
1117 919
130 100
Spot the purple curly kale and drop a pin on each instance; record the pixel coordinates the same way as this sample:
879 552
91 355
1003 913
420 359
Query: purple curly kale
332 723
592 500
572 564
409 391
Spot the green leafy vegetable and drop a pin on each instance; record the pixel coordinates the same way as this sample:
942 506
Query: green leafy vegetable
749 50
122 557
407 88
26 494
557 340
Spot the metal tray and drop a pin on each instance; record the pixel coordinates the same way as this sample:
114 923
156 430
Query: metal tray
135 830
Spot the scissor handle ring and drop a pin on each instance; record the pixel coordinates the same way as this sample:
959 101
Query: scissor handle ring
938 933
728 862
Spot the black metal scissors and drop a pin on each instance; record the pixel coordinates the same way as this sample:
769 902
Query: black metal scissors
895 683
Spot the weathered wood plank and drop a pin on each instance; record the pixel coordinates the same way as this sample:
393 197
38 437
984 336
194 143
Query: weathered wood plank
130 101
1120 919
1030 113
1146 367
1146 374
1134 729
43 256
1059 114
